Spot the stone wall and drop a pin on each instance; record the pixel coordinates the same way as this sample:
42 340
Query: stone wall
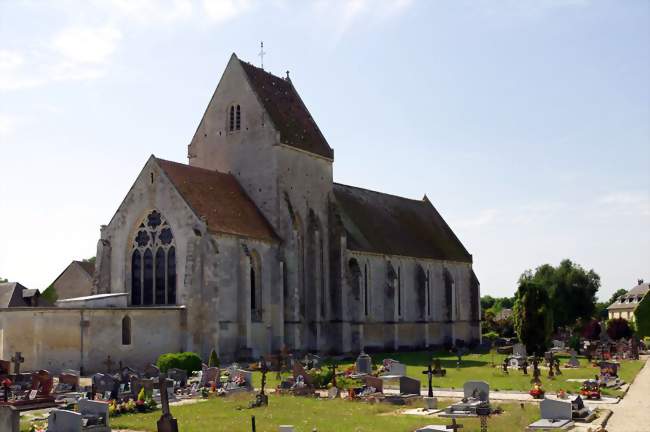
56 339
73 282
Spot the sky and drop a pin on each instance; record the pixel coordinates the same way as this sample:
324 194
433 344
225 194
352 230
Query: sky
525 122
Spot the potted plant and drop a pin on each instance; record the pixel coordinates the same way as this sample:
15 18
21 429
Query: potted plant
537 392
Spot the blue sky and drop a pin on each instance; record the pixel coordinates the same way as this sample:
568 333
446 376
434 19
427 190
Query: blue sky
525 122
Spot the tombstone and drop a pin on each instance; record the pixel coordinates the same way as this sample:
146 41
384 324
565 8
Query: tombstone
68 382
151 371
64 421
519 350
579 412
239 379
476 395
94 413
556 414
5 368
9 419
364 364
126 373
558 345
438 371
166 423
409 386
393 367
429 374
298 371
103 383
43 382
210 375
178 375
286 428
261 399
573 361
376 383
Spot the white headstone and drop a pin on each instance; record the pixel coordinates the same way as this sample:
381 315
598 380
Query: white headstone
519 349
478 389
285 428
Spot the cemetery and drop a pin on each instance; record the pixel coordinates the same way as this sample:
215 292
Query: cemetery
394 390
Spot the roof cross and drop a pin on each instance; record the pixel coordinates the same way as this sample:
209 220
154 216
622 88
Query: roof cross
262 54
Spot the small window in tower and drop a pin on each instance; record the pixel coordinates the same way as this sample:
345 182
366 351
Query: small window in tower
238 118
231 123
151 174
126 330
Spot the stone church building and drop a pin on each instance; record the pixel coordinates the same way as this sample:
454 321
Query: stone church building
252 245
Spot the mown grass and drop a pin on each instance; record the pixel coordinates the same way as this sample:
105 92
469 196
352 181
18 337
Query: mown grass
479 367
307 414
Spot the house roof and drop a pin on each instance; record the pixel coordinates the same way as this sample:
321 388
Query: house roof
387 224
638 292
287 111
220 199
11 295
87 266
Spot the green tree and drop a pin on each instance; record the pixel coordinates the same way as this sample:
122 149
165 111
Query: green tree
3 280
533 315
50 294
213 361
616 295
642 317
487 301
571 288
90 260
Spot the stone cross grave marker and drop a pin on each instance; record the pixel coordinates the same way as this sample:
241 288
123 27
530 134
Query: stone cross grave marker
166 423
454 426
332 368
429 374
17 359
109 364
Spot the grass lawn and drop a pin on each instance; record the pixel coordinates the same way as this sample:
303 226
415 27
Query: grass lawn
305 414
478 367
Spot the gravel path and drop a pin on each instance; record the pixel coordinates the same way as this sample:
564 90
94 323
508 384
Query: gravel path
631 414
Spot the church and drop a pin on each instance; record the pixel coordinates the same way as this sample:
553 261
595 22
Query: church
252 246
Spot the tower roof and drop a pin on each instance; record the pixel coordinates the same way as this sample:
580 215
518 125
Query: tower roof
287 111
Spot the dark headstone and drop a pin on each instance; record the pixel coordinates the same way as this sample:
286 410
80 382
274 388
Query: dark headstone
409 385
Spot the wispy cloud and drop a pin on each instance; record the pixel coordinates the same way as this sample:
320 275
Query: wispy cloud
226 10
527 8
627 202
151 11
484 217
7 125
80 45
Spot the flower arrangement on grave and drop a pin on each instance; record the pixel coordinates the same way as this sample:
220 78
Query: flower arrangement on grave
38 426
115 408
590 389
239 380
320 377
537 392
561 394
205 393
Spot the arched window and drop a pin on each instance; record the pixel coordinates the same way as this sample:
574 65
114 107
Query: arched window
238 118
450 302
231 122
126 330
255 287
153 263
366 300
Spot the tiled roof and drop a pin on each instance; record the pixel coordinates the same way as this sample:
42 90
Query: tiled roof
88 267
220 199
387 224
638 292
11 295
287 111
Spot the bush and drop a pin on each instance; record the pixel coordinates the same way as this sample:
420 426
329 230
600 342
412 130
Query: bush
491 336
574 343
618 328
592 330
188 361
321 377
642 317
213 361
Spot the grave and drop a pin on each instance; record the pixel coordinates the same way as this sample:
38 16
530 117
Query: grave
261 398
363 364
151 371
138 383
375 383
409 390
393 367
210 375
609 374
518 357
573 361
92 417
5 368
579 412
438 371
105 385
179 376
476 394
68 382
166 423
556 415
9 419
239 380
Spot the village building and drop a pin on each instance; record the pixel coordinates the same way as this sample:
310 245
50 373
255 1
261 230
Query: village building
75 281
14 294
625 305
252 246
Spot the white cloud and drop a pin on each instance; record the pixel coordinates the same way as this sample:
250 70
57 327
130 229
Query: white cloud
151 11
225 10
7 125
87 44
627 202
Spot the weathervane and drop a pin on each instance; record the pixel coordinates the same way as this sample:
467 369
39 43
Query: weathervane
262 53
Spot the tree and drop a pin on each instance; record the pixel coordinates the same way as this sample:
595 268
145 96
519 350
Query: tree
592 330
616 295
50 294
90 260
571 288
213 361
487 302
642 317
618 328
533 316
3 280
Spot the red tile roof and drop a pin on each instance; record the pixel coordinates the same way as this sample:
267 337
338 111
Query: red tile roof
220 199
287 111
387 224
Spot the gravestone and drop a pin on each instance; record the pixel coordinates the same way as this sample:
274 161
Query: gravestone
211 374
151 371
5 367
376 383
103 383
477 389
438 371
429 374
409 386
580 412
573 361
556 414
9 419
364 364
166 423
64 421
17 359
68 382
95 413
178 375
393 367
299 371
476 395
519 350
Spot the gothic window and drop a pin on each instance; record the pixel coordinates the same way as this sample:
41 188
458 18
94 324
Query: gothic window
354 274
231 122
428 288
399 291
238 118
449 295
422 293
126 331
255 287
153 263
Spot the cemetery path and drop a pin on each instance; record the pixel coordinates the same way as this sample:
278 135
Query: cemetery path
631 414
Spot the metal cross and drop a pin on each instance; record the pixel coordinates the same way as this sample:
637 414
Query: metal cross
262 53
17 359
164 396
454 426
429 373
332 367
264 368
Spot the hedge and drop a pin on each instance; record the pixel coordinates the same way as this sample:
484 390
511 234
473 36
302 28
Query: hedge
187 361
642 317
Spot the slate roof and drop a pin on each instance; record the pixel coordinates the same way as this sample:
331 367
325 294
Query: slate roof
638 292
88 267
220 199
11 295
387 224
287 111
